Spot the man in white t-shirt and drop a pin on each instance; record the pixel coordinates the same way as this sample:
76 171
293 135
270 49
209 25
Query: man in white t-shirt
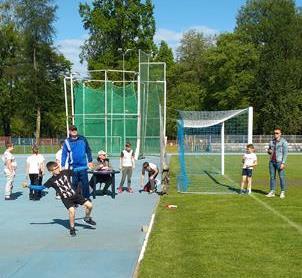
126 165
249 161
35 170
10 166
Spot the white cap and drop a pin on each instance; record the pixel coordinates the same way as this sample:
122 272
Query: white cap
101 152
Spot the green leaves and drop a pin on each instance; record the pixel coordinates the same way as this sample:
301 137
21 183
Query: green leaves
113 25
30 68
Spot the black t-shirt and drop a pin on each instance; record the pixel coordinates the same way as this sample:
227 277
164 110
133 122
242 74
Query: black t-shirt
62 184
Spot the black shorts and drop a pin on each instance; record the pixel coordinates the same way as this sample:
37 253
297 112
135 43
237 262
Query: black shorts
77 199
247 172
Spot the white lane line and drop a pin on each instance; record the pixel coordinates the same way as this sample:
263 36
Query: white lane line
275 212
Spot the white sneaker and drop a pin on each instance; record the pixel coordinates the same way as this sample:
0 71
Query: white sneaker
249 192
282 195
271 194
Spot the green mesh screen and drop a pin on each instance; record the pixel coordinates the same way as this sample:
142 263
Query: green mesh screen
152 85
107 112
107 120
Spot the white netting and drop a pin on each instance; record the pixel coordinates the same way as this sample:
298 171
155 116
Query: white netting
208 143
201 119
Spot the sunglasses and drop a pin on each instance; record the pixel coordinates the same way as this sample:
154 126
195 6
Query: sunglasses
276 132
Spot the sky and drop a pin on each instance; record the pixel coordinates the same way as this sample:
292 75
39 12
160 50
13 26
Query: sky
173 18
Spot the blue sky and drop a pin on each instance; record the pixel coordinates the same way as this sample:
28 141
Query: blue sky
173 17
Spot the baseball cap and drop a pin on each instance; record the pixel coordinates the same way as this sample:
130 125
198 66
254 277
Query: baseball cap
72 127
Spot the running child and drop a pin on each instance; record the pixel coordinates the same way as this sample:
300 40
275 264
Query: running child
249 161
126 165
60 181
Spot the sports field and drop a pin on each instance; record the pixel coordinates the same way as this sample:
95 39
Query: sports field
229 235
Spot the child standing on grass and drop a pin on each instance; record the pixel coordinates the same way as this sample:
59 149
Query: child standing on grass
10 166
60 181
126 165
249 161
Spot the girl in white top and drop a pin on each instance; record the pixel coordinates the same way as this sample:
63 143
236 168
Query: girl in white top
10 166
249 161
126 165
34 171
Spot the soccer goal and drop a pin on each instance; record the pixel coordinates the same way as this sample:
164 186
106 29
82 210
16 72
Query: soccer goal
119 106
208 142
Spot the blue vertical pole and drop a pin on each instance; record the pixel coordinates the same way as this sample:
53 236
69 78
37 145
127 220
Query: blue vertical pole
182 178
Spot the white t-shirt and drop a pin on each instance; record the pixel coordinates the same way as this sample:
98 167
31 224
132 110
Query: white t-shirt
153 168
34 163
9 156
127 158
248 160
59 158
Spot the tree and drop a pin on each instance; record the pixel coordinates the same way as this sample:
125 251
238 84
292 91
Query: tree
185 90
35 19
275 29
230 73
9 56
113 25
165 54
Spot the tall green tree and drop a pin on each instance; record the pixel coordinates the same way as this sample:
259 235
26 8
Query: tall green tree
185 89
275 29
113 25
230 73
9 59
35 19
165 54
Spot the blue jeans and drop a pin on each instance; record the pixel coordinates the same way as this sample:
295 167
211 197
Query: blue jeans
273 168
81 176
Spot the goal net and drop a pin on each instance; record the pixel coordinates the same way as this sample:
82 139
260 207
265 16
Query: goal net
207 144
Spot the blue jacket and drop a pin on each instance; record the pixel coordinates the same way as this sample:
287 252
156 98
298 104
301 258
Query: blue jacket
281 148
77 151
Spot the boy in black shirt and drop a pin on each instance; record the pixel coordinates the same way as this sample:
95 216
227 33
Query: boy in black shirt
60 181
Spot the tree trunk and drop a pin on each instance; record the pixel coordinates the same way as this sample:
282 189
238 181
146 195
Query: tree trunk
38 126
6 126
5 119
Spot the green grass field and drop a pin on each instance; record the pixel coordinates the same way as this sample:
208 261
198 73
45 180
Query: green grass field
229 235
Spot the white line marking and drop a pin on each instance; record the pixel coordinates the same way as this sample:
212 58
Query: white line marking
275 212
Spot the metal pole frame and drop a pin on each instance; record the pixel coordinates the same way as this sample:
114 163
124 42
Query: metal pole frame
222 148
250 125
72 98
105 109
66 105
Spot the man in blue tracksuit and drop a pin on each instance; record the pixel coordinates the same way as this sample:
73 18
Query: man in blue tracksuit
76 149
